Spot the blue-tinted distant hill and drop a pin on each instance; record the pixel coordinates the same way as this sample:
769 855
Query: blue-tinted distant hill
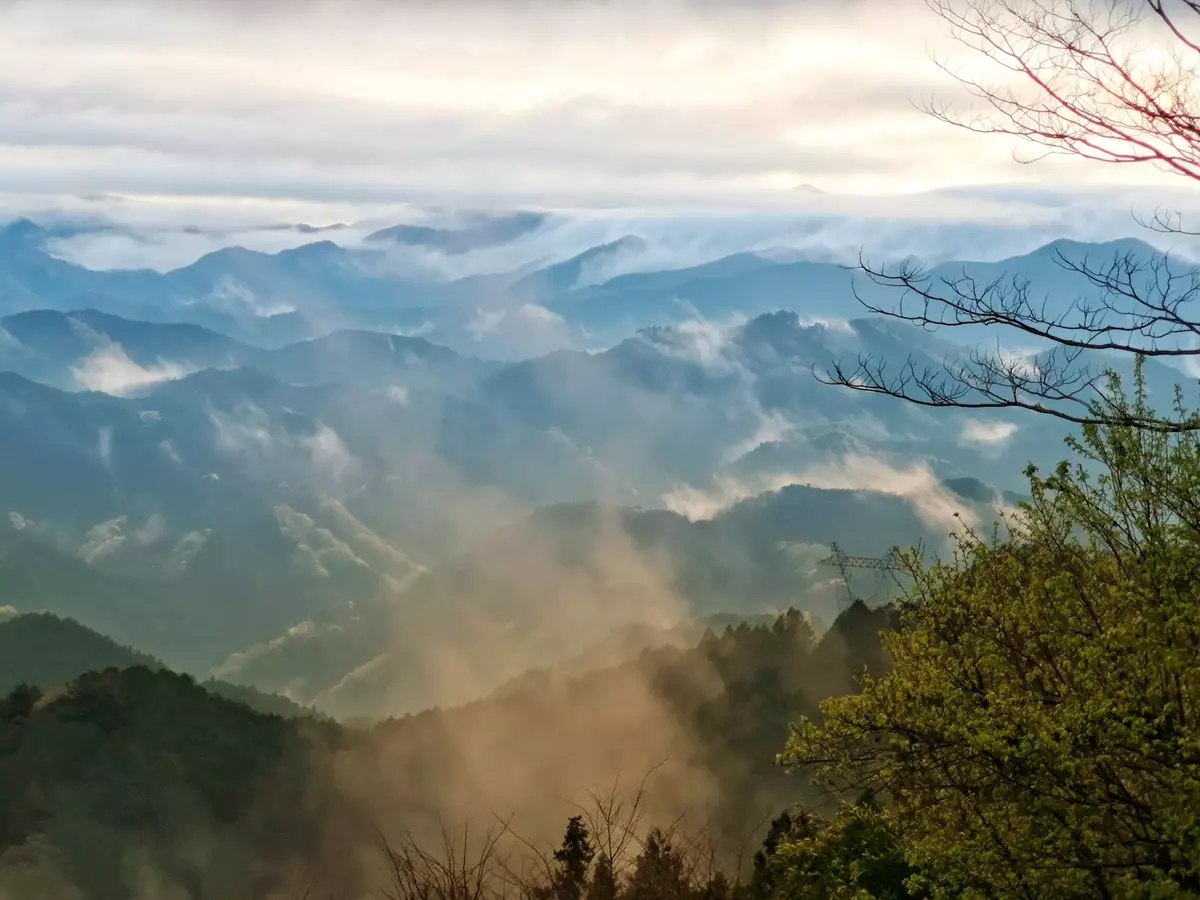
476 233
595 298
55 347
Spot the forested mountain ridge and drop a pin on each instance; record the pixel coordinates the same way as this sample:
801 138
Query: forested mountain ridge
47 652
108 771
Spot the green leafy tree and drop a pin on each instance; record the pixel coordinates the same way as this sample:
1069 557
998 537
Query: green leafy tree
765 874
855 856
1039 735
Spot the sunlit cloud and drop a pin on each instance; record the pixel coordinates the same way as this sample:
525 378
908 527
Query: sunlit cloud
358 106
978 431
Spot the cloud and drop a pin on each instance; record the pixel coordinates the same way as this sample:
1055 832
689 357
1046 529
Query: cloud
629 255
773 426
163 233
700 504
231 294
916 483
540 102
248 433
558 105
830 323
186 549
329 452
698 340
104 539
111 371
932 500
522 330
484 322
978 431
104 439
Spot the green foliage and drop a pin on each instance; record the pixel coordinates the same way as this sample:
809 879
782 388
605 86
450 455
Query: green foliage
855 856
146 764
1039 735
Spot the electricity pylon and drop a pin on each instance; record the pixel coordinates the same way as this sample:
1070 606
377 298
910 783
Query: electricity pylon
844 563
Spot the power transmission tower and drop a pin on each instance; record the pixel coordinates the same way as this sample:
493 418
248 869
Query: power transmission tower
844 563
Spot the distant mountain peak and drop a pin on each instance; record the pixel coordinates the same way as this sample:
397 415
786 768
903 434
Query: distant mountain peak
1074 249
315 249
22 232
474 234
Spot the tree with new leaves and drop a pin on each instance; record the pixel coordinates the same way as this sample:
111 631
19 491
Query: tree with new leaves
1110 81
1039 734
855 854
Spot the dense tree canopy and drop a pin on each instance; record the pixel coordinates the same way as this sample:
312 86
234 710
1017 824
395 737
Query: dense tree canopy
1039 735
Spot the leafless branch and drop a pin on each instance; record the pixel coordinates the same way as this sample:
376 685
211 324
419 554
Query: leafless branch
1072 78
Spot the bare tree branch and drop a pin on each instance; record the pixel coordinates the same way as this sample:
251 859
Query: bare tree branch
1074 79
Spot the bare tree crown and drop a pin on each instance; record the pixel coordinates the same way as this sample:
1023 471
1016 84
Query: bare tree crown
1112 82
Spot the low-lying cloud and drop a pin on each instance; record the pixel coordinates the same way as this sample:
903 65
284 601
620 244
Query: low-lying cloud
916 483
249 434
110 371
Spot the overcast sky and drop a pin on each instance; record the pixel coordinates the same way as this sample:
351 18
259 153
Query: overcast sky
360 105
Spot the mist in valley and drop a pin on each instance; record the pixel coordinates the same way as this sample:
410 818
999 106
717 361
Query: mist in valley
463 457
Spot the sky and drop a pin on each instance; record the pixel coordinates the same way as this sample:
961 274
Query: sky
249 111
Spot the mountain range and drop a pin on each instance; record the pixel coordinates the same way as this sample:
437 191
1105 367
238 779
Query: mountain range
316 504
587 301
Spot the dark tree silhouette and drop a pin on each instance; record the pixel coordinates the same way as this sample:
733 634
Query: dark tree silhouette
574 858
1072 78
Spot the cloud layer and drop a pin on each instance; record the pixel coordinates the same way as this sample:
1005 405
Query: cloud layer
564 105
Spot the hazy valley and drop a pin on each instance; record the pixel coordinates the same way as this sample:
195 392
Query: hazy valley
352 518
603 451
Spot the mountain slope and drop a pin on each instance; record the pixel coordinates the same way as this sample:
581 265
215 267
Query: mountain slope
47 652
135 781
128 778
537 591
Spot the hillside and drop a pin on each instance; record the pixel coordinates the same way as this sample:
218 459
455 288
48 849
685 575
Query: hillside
146 769
46 651
546 588
135 780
